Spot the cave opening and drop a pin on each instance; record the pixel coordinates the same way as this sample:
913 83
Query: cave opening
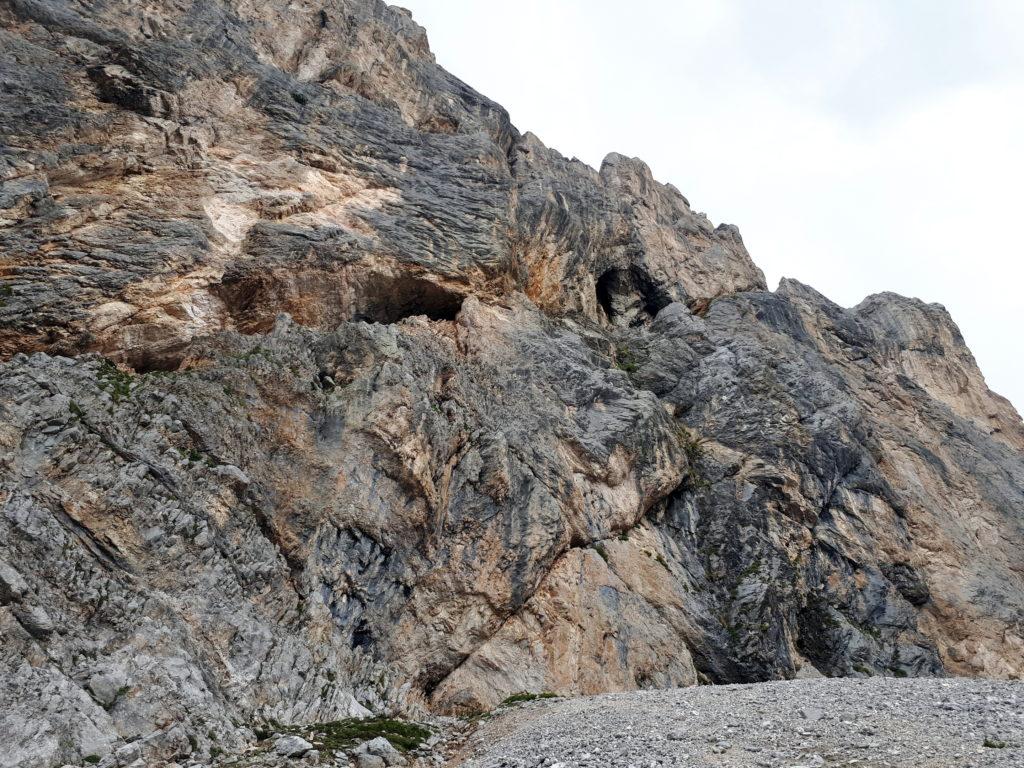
156 359
323 299
362 636
386 299
629 297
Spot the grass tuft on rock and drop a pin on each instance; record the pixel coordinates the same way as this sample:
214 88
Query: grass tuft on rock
524 696
693 445
113 380
345 734
625 360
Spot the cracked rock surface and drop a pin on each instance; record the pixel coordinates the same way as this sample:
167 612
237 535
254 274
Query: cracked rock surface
325 392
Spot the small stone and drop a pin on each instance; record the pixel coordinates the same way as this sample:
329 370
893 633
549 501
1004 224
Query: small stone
811 714
106 687
36 622
128 754
12 585
232 474
366 760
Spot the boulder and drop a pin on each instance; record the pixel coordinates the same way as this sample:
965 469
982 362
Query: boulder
292 746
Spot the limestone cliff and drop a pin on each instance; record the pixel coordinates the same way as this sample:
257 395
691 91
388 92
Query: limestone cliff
325 390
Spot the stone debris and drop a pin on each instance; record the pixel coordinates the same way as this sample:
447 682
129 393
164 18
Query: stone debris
913 724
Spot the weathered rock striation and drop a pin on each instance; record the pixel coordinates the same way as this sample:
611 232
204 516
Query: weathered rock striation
326 391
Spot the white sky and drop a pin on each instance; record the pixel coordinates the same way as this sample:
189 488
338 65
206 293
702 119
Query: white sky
860 145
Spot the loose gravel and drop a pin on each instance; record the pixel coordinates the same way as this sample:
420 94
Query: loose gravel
868 723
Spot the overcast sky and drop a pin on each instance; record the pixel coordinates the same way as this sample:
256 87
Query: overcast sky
860 145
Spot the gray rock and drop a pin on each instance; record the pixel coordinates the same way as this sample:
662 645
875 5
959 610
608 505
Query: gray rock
128 754
368 760
106 687
36 621
382 748
12 586
811 714
232 473
292 746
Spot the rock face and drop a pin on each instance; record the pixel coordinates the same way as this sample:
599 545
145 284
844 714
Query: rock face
326 391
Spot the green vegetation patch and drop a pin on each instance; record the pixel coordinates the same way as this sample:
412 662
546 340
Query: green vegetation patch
693 446
476 717
345 734
257 351
113 380
751 570
523 696
995 743
626 361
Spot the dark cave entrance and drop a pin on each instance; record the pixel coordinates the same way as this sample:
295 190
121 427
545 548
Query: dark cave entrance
323 298
167 360
629 297
385 299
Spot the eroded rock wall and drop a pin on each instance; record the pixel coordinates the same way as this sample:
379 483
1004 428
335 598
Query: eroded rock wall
326 391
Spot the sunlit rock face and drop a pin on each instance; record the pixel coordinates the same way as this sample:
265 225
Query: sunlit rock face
326 391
